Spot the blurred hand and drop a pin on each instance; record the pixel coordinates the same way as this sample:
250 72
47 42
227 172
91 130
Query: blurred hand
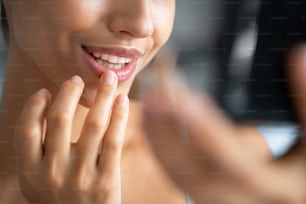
214 159
51 169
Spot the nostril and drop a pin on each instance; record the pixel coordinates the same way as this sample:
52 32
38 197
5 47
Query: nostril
123 32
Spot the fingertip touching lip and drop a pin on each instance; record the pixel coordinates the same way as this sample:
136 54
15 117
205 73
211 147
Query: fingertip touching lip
118 59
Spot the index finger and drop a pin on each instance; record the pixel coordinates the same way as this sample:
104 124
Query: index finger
29 129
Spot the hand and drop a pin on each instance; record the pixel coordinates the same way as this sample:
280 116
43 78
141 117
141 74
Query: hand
209 156
51 169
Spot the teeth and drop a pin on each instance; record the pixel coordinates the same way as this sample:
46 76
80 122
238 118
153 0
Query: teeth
118 66
100 62
105 57
97 55
128 60
121 60
111 66
112 58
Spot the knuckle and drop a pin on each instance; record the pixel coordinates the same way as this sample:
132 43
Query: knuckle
105 188
106 185
106 191
59 118
53 177
95 125
82 183
53 181
27 133
114 145
82 187
119 115
36 100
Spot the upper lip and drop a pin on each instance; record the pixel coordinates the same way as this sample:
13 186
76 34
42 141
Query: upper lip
117 51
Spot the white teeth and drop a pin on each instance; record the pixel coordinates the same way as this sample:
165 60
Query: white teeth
110 61
97 55
111 66
112 58
118 66
121 60
105 57
100 62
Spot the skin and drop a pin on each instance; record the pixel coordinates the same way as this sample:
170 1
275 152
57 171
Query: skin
211 158
79 140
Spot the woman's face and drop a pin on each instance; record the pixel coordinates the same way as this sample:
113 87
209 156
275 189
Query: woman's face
87 37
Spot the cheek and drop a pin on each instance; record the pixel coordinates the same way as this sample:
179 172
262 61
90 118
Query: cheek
163 21
71 15
37 22
43 28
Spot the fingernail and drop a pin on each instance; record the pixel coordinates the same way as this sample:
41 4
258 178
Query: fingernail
109 77
76 79
123 100
42 92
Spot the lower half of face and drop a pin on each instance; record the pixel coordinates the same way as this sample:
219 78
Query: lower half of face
66 38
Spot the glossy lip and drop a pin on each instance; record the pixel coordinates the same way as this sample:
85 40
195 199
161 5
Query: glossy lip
124 73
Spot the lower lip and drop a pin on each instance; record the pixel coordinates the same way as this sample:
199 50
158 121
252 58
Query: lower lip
123 74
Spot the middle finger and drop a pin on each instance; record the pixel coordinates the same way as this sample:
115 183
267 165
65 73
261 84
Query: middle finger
97 119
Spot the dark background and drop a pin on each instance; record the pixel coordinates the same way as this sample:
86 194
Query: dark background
239 57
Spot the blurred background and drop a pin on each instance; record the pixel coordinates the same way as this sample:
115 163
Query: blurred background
235 51
216 40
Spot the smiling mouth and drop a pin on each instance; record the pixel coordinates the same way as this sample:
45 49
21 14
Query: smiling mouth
108 60
120 60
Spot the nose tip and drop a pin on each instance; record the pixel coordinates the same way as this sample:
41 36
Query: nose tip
134 21
134 27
